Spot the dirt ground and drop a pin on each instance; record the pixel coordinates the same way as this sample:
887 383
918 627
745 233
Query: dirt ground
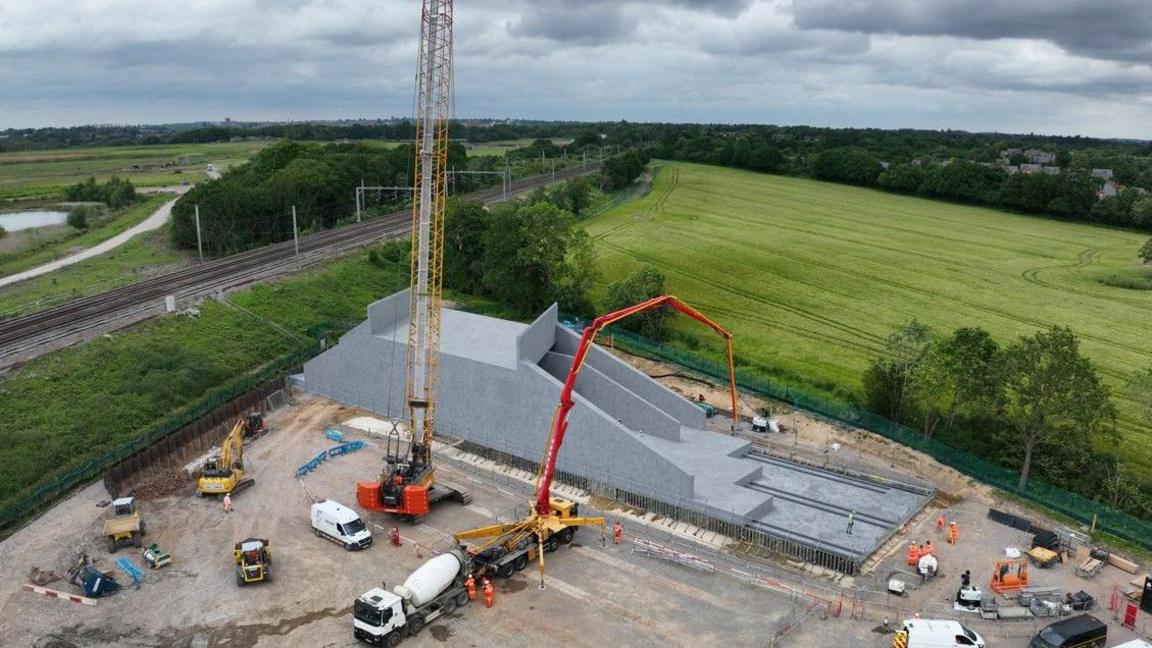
595 596
983 541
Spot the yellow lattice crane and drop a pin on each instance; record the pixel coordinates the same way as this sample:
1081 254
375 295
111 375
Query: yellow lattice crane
407 484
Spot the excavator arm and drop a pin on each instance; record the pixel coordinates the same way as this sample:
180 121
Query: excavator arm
232 449
560 419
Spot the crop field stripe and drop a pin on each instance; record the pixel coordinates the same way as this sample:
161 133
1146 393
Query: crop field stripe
811 277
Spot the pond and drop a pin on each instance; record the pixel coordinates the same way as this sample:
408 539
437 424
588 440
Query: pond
14 221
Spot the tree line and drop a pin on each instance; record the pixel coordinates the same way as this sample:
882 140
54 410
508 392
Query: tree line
251 205
115 192
1036 405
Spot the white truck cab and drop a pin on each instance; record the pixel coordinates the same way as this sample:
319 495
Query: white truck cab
937 633
378 614
341 525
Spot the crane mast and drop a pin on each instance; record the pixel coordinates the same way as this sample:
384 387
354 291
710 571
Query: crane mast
432 112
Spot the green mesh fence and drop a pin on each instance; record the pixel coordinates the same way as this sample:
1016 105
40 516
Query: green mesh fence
1108 519
48 493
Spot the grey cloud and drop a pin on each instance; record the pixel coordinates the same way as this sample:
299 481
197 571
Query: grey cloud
595 22
1117 30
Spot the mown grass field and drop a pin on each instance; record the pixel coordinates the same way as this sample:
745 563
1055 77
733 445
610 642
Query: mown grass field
44 174
811 276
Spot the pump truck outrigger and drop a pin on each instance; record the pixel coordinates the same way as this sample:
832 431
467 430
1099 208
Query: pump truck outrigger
552 521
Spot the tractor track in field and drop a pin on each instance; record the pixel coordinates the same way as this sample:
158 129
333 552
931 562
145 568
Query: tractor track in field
762 300
656 210
26 336
871 278
1086 258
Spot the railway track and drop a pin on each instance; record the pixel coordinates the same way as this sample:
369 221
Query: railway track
26 336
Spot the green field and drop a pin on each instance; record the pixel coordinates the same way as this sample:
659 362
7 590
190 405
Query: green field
44 174
811 276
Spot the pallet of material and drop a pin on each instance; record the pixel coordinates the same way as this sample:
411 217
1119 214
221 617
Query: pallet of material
1014 612
1123 564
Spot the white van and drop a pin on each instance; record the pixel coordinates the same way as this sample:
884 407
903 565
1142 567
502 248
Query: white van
937 633
341 525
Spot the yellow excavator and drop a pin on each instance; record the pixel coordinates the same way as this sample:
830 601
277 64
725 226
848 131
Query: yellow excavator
224 472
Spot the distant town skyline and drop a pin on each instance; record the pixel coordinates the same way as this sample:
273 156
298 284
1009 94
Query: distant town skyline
1075 67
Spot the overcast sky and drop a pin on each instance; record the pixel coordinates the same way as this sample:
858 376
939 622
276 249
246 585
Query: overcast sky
1045 66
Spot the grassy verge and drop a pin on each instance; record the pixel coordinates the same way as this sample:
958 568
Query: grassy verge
1132 280
67 408
50 250
135 260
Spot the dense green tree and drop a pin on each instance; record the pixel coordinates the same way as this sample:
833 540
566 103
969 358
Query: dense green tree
1146 252
534 255
965 182
577 193
78 217
1053 397
851 165
890 381
643 284
764 158
619 171
465 225
962 371
901 178
1141 212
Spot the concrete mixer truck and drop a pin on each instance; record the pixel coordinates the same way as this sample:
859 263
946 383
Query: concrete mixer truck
384 618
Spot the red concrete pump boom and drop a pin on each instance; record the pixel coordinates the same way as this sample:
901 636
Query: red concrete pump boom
560 420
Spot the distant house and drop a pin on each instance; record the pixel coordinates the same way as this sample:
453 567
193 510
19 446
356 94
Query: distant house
1051 170
1109 190
1011 169
1031 168
885 165
1102 173
1038 156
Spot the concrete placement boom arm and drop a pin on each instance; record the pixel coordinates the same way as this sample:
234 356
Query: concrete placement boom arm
560 420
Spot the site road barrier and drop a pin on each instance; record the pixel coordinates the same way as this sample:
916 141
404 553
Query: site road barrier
64 596
345 448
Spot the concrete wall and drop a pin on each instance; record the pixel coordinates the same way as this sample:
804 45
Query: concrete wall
636 381
504 409
615 400
534 341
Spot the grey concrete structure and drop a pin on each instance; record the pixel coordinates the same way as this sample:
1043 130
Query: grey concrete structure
500 382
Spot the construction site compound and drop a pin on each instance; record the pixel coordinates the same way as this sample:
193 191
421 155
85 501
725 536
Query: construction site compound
439 477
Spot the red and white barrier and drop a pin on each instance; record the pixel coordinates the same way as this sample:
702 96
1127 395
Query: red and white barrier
73 598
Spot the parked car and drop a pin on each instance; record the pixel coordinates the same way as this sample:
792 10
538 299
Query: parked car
1084 631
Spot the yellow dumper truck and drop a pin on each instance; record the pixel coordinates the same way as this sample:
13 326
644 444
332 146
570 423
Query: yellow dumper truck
125 526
